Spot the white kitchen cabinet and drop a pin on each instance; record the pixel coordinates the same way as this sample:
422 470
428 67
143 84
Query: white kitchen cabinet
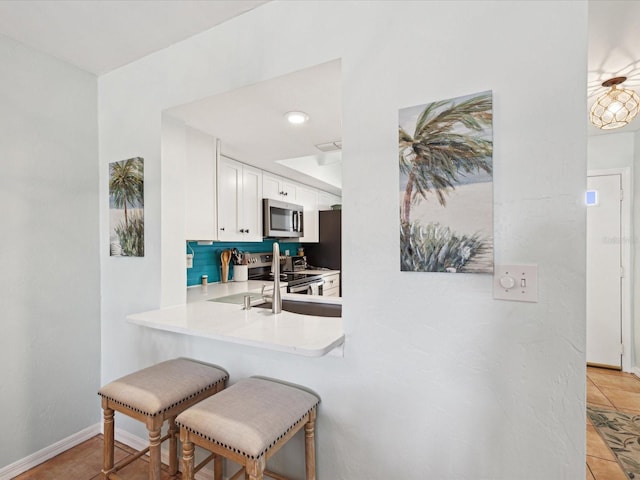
326 199
239 201
278 188
331 287
200 161
308 198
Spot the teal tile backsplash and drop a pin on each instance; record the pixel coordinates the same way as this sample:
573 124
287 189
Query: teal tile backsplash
206 259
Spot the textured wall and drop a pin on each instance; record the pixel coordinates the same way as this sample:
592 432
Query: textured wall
49 259
438 379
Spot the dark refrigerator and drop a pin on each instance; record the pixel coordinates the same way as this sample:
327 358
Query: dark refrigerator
328 252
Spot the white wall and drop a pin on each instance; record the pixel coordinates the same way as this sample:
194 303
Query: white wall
438 379
49 263
614 150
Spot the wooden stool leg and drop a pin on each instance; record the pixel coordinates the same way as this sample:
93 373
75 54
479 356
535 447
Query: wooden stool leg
154 454
108 443
255 468
217 467
187 459
310 445
173 446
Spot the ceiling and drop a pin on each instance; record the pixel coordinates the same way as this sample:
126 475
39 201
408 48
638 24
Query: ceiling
614 50
102 35
250 123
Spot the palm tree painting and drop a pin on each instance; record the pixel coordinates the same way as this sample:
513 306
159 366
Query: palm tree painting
126 208
446 185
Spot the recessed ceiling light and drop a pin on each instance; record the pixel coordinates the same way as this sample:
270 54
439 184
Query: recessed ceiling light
296 117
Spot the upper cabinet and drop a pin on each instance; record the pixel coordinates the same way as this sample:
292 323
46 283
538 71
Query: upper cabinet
224 196
308 198
201 151
239 201
326 199
278 188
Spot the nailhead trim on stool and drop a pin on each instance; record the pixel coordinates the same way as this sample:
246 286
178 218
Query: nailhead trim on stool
249 418
152 396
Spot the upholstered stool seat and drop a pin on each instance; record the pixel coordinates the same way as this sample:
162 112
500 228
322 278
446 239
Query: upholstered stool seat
247 423
154 395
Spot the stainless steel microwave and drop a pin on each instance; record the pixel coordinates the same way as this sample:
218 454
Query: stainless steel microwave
282 219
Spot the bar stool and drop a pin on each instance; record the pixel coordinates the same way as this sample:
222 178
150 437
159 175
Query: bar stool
153 395
247 423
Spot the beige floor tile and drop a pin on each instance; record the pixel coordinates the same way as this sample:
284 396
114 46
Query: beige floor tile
139 470
620 381
596 447
82 462
622 399
605 469
589 474
595 396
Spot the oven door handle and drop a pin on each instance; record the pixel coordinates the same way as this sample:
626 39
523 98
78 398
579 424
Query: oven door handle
306 288
301 289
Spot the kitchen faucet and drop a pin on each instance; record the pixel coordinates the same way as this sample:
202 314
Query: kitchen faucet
276 303
276 298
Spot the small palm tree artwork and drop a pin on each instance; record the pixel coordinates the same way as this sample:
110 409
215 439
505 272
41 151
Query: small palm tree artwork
126 207
445 152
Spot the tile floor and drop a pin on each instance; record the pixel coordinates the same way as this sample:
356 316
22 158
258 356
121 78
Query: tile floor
606 388
84 461
612 390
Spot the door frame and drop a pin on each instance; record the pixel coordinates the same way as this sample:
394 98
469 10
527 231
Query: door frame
626 242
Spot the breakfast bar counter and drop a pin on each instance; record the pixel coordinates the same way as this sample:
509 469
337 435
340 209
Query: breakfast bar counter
216 312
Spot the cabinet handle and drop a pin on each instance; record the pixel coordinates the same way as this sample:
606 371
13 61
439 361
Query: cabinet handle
246 231
242 230
222 228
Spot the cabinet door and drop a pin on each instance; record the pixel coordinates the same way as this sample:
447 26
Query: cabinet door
229 197
271 187
308 198
289 191
278 188
326 199
200 214
331 287
251 201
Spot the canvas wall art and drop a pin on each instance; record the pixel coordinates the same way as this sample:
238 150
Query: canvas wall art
446 185
126 208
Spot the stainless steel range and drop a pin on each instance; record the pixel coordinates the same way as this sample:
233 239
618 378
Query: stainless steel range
297 281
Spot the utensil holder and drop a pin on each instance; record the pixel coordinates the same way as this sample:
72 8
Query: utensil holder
240 273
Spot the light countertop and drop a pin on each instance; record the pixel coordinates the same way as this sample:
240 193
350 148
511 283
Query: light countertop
306 335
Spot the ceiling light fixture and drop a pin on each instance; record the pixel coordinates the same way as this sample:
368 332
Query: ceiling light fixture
615 108
296 117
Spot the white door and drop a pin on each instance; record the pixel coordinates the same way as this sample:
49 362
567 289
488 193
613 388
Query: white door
604 270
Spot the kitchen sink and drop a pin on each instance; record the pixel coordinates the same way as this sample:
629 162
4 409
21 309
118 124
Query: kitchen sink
308 308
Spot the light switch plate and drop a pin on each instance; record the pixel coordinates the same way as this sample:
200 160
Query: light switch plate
518 283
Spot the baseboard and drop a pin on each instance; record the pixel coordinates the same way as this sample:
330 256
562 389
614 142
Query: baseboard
635 371
51 451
